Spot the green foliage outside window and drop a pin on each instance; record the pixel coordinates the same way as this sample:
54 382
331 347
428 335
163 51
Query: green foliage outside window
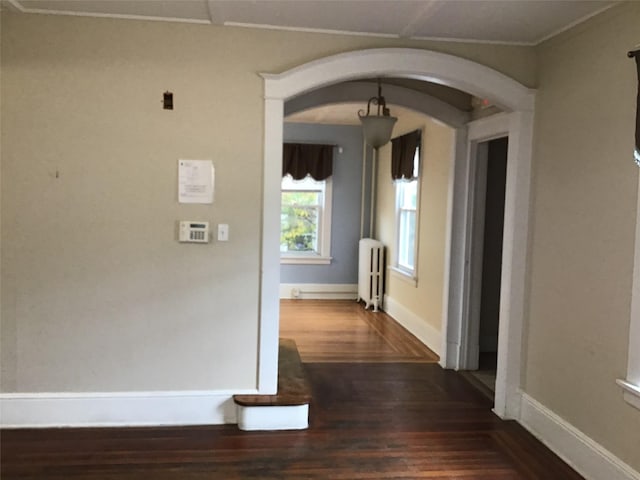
299 221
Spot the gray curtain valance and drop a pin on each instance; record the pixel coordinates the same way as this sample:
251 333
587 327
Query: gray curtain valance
403 150
302 159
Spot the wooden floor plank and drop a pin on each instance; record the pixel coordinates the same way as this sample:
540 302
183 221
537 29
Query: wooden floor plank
344 331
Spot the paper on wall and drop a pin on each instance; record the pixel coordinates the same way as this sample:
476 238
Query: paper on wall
195 181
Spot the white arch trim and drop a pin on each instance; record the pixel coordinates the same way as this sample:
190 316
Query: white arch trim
426 65
459 73
363 91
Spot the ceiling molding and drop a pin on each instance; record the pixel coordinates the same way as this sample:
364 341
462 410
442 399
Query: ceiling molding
14 4
215 12
309 30
574 23
475 40
44 11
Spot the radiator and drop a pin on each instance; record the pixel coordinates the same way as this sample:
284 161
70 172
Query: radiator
371 273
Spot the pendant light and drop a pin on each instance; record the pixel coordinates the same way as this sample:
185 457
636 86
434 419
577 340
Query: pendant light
377 128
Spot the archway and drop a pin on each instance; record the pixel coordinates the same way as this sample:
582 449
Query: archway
458 73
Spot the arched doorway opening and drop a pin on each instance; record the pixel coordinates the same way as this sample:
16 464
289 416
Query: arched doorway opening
517 124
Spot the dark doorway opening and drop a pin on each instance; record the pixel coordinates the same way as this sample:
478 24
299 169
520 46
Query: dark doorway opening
492 196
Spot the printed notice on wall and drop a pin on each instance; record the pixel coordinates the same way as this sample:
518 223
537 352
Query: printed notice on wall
195 181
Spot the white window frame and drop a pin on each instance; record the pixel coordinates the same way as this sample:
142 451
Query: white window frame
631 384
402 271
323 255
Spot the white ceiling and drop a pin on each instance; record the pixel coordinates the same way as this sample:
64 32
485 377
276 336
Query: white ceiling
525 22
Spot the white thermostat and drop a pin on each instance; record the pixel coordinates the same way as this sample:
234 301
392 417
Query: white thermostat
193 232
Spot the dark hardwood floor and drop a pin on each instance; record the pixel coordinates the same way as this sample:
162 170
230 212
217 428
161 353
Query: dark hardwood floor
368 421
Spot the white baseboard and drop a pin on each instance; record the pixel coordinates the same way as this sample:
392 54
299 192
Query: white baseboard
319 291
418 326
294 417
586 456
42 410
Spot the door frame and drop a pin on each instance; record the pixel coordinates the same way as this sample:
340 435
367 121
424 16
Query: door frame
459 73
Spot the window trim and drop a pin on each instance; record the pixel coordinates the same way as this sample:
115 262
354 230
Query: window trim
324 256
403 275
409 274
631 384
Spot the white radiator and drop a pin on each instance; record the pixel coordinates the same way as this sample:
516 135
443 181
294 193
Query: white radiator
370 273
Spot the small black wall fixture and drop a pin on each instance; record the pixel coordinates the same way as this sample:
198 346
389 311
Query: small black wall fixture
167 100
636 154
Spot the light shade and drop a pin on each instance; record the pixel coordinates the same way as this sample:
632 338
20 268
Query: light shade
377 129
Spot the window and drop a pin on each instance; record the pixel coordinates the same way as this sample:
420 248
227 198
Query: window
407 220
631 384
305 220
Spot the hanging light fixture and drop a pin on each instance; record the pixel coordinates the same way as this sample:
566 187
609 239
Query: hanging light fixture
377 128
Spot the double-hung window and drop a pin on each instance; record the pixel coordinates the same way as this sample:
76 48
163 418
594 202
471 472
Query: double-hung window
631 384
305 220
407 193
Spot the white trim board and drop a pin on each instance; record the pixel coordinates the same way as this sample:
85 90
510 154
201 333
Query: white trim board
585 455
126 409
319 291
272 417
417 325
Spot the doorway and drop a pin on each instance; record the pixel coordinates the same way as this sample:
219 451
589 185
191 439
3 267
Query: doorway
486 260
516 100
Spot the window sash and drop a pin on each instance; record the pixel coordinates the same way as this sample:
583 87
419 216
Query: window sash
407 200
631 383
315 233
314 241
406 238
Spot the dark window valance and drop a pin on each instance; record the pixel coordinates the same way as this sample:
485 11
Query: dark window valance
302 159
403 150
637 150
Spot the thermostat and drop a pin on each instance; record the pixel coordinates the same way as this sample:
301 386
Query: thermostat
193 232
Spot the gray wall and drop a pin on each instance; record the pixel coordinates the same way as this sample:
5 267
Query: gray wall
347 188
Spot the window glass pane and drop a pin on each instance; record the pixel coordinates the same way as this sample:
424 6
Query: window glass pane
300 198
406 208
408 194
407 235
301 205
299 228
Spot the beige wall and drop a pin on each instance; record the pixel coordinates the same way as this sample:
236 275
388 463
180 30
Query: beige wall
424 298
98 296
584 191
96 293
